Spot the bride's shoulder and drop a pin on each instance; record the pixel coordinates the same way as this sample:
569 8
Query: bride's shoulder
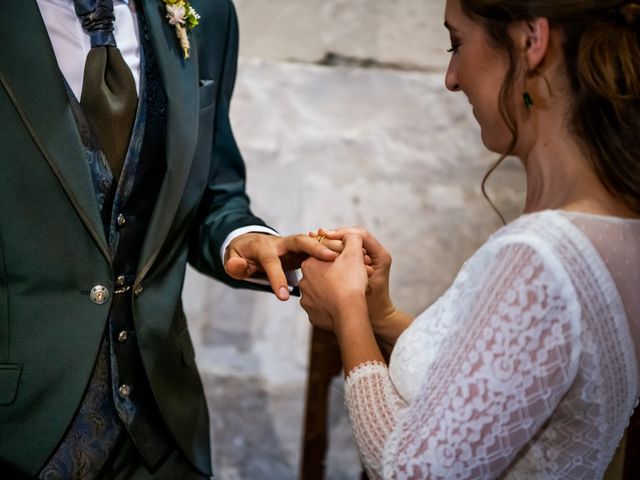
548 228
548 234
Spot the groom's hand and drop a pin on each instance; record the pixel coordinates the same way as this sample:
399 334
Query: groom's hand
259 254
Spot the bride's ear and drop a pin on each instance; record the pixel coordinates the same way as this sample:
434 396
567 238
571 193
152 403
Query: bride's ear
532 39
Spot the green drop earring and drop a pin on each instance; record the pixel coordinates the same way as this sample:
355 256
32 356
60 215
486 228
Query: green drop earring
528 101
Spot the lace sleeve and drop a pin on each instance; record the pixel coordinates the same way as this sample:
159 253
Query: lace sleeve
509 358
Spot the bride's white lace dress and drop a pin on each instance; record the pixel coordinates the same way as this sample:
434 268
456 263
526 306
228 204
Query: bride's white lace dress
525 368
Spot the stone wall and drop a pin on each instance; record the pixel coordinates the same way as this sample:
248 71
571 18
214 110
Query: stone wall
342 116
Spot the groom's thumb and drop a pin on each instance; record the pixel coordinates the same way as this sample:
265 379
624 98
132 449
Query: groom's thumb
237 268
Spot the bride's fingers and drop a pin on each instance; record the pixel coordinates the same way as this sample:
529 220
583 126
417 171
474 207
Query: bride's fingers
332 239
369 242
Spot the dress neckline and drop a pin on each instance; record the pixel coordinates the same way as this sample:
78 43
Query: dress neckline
594 216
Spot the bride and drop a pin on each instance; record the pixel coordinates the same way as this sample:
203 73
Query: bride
527 367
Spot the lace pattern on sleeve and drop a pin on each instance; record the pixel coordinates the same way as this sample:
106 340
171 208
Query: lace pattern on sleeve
369 384
510 356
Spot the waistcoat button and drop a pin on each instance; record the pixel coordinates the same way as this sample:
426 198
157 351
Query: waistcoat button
121 220
123 336
99 294
124 390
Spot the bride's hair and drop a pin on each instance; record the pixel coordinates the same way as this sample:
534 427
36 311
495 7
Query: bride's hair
602 59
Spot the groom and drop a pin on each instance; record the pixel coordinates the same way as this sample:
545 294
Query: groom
97 373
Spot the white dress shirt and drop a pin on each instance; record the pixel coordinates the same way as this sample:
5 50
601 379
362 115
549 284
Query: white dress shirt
71 45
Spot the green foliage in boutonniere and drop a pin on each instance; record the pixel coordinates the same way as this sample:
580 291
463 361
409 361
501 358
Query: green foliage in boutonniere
183 17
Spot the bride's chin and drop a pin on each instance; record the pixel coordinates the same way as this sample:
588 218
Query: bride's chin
499 146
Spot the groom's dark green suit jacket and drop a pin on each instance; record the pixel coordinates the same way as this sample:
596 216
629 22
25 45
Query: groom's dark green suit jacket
53 250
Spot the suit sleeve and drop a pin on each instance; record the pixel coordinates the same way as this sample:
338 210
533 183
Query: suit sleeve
225 205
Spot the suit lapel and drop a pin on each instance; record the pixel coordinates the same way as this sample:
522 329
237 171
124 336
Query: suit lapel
29 73
179 77
36 87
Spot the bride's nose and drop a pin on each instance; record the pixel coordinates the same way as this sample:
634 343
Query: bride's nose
451 77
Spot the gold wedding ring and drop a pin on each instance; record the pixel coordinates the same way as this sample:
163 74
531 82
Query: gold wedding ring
320 238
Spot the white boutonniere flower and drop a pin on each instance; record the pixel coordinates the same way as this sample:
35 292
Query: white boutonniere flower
183 17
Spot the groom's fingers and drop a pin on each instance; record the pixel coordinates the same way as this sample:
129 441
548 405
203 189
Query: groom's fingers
339 233
333 245
269 258
256 257
264 254
273 269
311 246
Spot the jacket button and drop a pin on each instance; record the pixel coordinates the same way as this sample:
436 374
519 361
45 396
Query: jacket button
138 291
124 390
99 294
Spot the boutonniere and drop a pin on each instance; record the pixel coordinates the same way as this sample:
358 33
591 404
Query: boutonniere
183 17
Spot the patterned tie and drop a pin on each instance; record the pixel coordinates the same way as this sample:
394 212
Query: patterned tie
108 96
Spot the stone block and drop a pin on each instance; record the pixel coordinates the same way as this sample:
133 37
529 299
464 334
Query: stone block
407 34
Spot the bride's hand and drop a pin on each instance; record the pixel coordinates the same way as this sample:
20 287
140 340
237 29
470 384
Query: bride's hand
337 246
329 289
380 306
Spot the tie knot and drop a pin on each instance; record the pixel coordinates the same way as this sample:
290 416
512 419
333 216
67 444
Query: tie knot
97 17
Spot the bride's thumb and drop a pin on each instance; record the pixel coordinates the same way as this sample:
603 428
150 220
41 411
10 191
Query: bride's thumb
352 245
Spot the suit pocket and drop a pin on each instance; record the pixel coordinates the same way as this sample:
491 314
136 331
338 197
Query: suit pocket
206 92
9 380
206 126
